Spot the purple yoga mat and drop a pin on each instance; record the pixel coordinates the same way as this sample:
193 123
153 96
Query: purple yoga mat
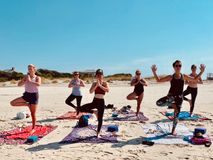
88 135
131 116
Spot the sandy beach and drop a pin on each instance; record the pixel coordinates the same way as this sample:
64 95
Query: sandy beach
51 105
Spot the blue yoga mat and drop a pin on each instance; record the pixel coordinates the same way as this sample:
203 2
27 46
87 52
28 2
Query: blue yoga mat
185 116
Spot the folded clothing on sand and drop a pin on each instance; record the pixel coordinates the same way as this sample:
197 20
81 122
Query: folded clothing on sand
131 116
20 135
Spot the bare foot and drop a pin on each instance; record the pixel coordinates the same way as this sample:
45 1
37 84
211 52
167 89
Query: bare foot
98 135
32 131
174 133
96 113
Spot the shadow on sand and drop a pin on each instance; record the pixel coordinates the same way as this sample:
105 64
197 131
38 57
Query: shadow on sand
49 146
135 141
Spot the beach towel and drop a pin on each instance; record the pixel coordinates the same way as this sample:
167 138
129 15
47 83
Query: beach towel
20 135
160 133
88 135
131 116
185 116
70 115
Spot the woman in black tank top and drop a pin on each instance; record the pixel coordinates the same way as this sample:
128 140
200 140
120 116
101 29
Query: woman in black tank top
138 92
175 94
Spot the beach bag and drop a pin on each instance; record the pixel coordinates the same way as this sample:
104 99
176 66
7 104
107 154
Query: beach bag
205 140
83 121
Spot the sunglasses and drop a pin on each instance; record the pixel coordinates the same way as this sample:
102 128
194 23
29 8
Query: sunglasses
76 74
178 66
138 74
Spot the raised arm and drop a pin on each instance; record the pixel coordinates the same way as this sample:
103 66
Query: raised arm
82 84
195 79
71 84
158 79
21 82
134 82
143 82
37 82
105 88
93 87
200 81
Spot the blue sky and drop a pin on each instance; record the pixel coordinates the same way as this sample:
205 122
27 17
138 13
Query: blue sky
116 35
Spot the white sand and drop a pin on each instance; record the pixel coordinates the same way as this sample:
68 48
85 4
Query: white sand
52 105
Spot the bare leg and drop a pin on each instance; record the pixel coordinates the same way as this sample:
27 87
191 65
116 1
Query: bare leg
175 121
139 100
18 102
33 108
132 96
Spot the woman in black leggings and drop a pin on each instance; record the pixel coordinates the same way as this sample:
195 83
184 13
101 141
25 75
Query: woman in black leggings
76 83
175 95
192 89
100 87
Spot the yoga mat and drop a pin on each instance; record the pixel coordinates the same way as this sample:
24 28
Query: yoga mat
88 135
160 133
70 115
20 135
185 116
131 116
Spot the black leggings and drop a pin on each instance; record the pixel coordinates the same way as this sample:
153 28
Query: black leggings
193 92
71 98
96 104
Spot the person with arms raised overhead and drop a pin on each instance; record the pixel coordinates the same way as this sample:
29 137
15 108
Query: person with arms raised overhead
192 88
175 95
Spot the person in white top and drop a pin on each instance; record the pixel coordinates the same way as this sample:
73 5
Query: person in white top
30 97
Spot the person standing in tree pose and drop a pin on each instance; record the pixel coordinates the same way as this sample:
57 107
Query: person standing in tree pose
30 97
192 88
100 87
175 95
138 82
76 83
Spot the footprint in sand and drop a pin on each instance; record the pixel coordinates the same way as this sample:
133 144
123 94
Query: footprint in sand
106 153
164 154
